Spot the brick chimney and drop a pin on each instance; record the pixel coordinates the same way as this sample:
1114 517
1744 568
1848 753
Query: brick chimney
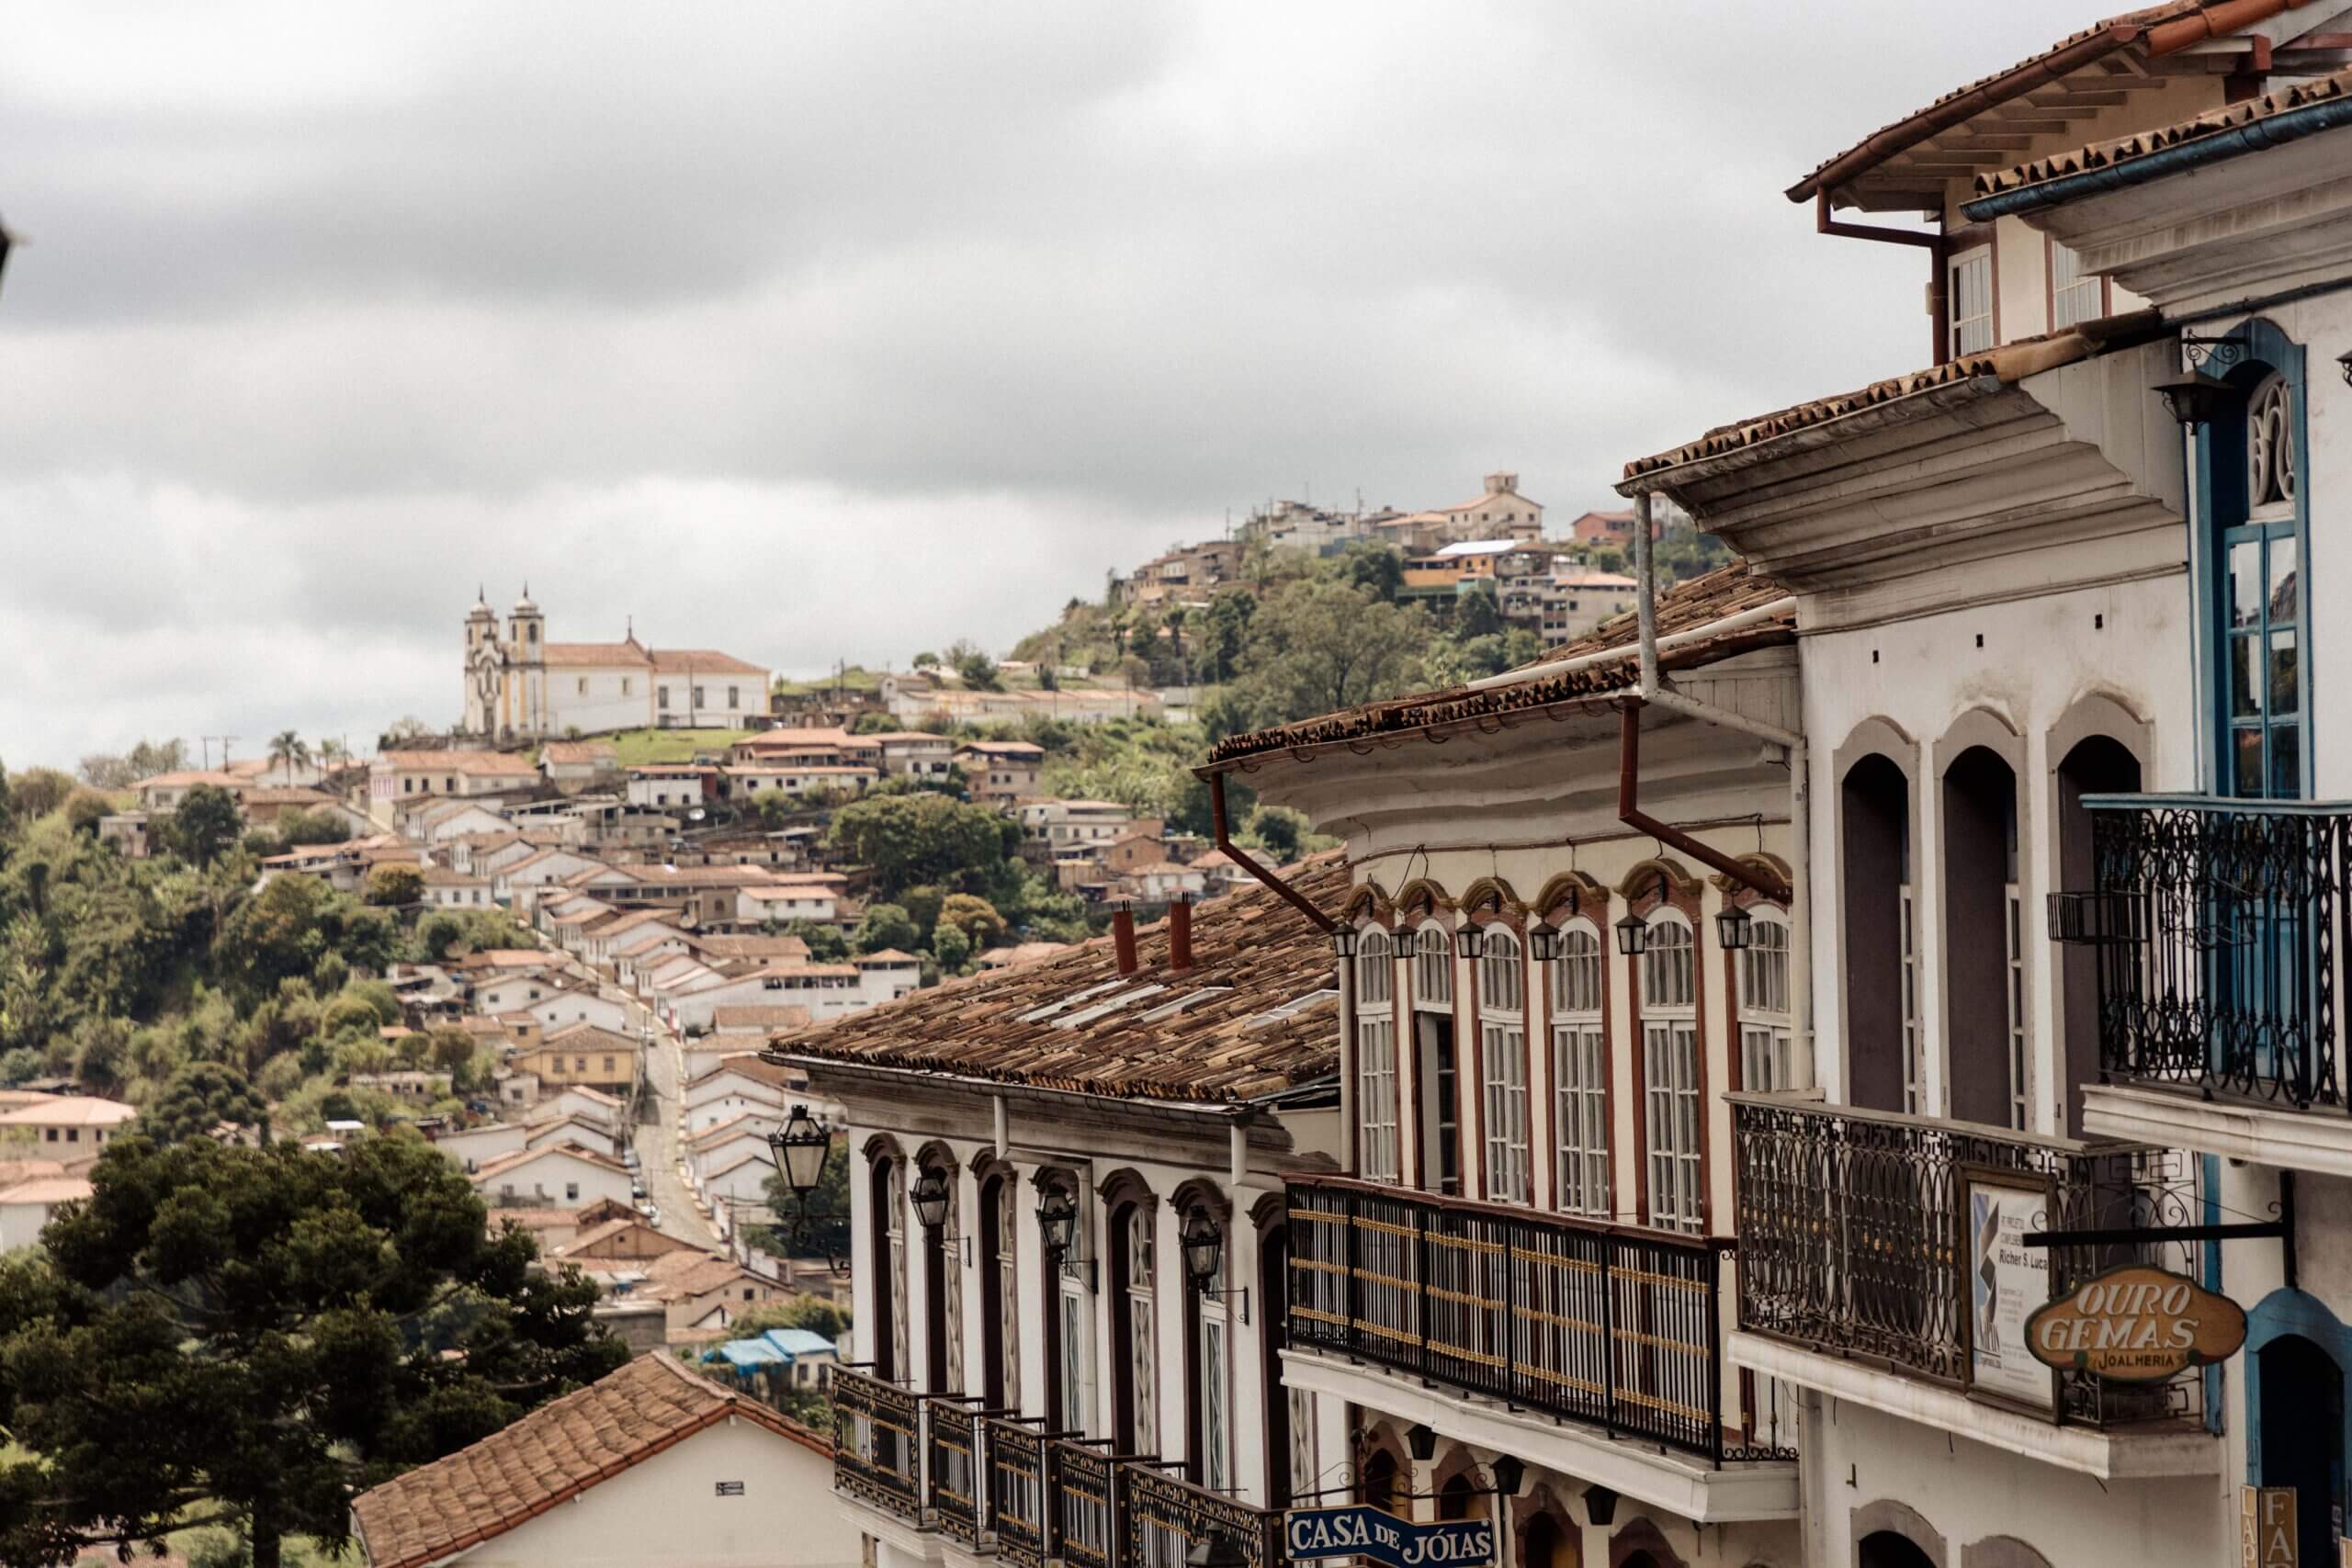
1123 938
1180 935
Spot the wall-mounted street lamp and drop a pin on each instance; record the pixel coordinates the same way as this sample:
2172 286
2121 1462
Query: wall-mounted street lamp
799 1150
931 1199
1056 1221
1204 1242
1733 928
2194 398
1343 943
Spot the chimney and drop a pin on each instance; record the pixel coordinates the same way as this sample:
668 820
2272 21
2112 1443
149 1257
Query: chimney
1180 935
1123 938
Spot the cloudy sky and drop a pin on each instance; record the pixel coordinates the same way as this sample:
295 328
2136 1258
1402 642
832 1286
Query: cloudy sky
807 330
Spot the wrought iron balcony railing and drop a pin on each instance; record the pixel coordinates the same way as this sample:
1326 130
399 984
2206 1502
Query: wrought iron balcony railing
1610 1326
990 1478
1851 1224
2214 923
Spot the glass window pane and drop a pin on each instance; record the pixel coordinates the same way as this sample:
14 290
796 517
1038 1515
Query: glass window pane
2246 582
2286 762
2284 684
2282 582
2244 700
2248 746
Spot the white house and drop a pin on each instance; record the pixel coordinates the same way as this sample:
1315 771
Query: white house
653 1466
578 1004
25 1208
68 1123
559 1176
888 975
800 898
448 888
474 1147
740 1085
825 989
455 820
578 1099
718 1144
739 1177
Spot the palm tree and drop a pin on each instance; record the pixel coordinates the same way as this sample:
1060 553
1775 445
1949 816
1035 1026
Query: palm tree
291 750
333 753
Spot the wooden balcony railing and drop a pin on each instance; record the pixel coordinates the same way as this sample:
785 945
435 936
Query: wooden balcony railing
988 1478
1850 1226
2215 923
1612 1326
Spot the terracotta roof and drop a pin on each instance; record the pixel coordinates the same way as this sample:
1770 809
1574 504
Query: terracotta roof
2010 362
752 946
509 958
2124 149
469 763
1726 591
750 1065
1003 748
578 752
701 661
70 1111
1251 954
193 776
48 1190
547 1457
1021 954
505 1163
604 655
2154 32
795 739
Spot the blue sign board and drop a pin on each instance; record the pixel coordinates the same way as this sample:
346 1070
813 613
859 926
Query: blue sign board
1361 1530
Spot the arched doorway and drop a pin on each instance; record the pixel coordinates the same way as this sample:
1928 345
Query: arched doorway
2303 1434
1885 1548
1545 1541
1459 1498
2099 765
1376 1486
1988 1055
1874 810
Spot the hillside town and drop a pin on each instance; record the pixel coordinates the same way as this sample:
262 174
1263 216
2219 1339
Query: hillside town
1787 1019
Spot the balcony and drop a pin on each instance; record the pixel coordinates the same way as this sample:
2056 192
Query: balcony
2212 926
995 1480
1852 1279
1606 1327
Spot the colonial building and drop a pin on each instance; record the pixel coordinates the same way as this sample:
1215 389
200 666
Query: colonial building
1071 1200
523 686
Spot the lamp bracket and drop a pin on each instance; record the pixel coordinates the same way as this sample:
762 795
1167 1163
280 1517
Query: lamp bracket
2200 352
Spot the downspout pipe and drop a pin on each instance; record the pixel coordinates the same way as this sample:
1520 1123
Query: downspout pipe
2288 125
1938 298
1221 831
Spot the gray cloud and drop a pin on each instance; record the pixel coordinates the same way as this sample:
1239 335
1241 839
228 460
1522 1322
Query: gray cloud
847 328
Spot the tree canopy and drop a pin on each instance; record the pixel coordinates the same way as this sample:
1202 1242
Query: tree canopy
921 837
198 1097
243 1337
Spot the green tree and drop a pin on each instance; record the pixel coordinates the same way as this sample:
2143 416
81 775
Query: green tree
906 839
826 943
827 1233
318 826
1318 647
394 884
952 948
289 752
293 925
236 1337
206 824
37 792
973 916
887 925
1282 831
814 1313
1378 569
198 1097
1477 613
1222 635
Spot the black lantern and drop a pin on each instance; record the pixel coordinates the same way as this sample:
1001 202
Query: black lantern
1543 943
1057 1220
1731 928
2194 398
1632 936
1600 1507
1215 1550
931 1199
2344 363
1421 1442
1343 942
1204 1246
1407 941
1511 1474
1471 941
799 1151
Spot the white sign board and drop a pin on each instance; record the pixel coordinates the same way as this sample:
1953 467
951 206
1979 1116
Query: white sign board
2007 1281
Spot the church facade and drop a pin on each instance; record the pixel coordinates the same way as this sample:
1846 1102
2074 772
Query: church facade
522 686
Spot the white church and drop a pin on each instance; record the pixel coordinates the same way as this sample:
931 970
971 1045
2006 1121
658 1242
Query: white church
523 686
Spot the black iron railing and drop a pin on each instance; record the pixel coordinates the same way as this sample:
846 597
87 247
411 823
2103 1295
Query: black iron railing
1015 1461
1610 1324
1851 1225
1079 1478
952 1472
1163 1517
877 1450
2213 922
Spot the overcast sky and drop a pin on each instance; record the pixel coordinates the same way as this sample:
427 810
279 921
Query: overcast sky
809 331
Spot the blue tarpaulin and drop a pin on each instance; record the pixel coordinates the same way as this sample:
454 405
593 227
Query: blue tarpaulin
777 1348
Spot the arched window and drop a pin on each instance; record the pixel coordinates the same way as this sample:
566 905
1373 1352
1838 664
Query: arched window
2263 699
887 1192
1000 1291
1377 1150
1990 1051
1437 1094
1882 1024
1135 1325
1502 1056
1764 1064
1671 1089
1580 1071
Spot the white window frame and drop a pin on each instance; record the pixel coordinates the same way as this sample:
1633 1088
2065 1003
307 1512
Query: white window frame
1217 1396
1377 1146
1008 1285
1765 1066
1432 969
1077 1335
2075 296
1972 331
1580 1071
895 1226
1502 1064
1671 1105
1143 1322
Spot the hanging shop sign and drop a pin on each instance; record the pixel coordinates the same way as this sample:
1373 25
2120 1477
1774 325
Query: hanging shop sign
2136 1324
2267 1528
1361 1530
